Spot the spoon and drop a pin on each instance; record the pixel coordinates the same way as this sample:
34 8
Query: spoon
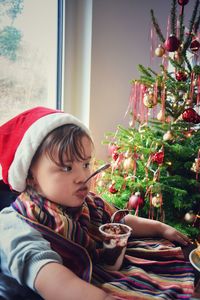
102 168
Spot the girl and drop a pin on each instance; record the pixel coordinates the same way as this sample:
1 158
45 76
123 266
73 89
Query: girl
49 239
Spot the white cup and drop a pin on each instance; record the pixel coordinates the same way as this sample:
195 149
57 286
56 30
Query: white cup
115 237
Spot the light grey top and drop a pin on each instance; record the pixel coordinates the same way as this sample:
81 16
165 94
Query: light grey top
23 250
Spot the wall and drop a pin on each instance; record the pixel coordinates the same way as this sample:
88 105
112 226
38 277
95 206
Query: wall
77 62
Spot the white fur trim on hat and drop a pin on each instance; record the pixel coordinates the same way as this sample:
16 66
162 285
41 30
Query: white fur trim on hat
28 146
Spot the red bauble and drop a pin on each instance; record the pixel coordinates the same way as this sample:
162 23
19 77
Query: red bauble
115 155
194 46
158 157
135 201
172 43
190 115
112 189
183 2
181 76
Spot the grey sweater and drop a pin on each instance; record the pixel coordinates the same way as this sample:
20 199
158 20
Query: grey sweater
23 250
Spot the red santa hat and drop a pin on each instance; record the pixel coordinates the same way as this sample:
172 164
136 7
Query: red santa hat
21 136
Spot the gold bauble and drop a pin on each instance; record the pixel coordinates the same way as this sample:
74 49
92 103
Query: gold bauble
148 100
168 136
157 200
100 183
189 102
189 217
196 165
128 164
160 51
160 116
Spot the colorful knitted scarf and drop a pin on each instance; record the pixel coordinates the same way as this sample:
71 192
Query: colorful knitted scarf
80 225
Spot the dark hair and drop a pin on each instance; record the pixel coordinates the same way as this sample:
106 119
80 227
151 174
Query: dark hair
66 139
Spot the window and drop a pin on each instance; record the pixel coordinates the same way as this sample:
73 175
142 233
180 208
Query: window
31 42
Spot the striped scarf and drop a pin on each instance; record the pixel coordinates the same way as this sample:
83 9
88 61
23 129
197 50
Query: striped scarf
79 225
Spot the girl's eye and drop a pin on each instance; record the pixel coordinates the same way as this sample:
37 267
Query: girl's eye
87 165
66 169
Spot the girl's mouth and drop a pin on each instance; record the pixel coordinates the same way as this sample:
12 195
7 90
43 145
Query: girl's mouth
82 192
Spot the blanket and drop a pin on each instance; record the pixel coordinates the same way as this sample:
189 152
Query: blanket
152 268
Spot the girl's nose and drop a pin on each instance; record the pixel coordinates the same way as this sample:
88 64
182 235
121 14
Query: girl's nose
81 176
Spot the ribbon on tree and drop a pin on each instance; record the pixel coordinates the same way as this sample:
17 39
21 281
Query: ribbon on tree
153 37
198 91
192 85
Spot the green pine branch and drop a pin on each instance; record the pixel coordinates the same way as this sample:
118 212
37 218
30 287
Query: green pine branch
196 24
182 28
173 17
157 27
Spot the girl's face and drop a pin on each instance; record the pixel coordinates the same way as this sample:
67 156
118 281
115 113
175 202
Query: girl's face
63 185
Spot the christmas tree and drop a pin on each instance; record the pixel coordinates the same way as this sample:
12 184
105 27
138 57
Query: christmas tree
155 161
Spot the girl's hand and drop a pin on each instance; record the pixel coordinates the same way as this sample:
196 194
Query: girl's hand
174 235
143 227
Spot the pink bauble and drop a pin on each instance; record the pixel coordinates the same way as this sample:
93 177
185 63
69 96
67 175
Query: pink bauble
112 148
135 201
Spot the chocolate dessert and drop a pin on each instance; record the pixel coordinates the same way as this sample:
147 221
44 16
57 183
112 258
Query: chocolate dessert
115 238
115 229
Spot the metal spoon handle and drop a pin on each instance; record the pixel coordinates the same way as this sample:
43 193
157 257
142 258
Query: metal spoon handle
104 167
